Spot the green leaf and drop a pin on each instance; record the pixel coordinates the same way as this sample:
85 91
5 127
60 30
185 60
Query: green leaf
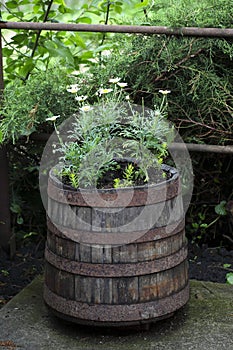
19 220
12 4
36 8
19 38
87 55
27 67
78 40
59 2
229 278
7 52
220 209
142 4
226 266
87 20
30 234
118 9
204 225
15 208
64 9
1 136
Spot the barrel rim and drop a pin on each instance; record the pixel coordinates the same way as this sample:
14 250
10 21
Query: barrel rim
115 198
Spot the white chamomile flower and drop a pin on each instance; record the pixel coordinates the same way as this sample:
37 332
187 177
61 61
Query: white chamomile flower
127 98
81 98
73 88
85 108
114 80
53 118
122 84
165 92
104 91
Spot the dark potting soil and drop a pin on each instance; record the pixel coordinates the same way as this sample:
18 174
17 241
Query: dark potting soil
205 263
118 171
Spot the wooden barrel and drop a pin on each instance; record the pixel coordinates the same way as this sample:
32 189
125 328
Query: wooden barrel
116 257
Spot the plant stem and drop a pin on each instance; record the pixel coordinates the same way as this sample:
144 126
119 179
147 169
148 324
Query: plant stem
106 22
145 12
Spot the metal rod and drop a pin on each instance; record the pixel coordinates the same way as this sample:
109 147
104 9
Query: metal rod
182 31
192 147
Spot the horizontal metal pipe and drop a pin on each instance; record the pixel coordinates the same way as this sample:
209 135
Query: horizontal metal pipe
192 147
182 31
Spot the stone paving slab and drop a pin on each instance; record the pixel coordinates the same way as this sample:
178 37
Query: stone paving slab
205 323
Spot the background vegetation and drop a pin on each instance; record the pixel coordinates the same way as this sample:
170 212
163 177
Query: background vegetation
38 66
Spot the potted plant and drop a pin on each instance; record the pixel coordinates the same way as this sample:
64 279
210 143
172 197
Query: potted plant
116 251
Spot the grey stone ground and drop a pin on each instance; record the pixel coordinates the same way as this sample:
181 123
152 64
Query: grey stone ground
205 323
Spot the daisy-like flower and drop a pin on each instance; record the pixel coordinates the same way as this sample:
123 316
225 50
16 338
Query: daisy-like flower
104 91
122 84
85 108
73 88
127 98
53 118
165 92
114 80
81 98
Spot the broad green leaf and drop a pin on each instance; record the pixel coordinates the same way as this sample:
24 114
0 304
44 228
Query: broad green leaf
7 52
25 2
220 209
27 67
142 4
87 55
42 50
19 38
19 220
15 208
118 9
12 4
84 20
63 9
50 45
59 2
229 277
76 38
36 8
95 12
226 266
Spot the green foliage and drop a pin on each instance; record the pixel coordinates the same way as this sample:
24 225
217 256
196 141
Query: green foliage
130 176
25 51
27 211
203 221
229 278
5 273
220 208
195 13
201 89
25 106
111 129
197 71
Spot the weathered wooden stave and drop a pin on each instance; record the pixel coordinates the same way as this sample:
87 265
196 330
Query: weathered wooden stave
100 281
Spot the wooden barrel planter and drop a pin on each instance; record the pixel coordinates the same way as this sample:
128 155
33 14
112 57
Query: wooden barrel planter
116 257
